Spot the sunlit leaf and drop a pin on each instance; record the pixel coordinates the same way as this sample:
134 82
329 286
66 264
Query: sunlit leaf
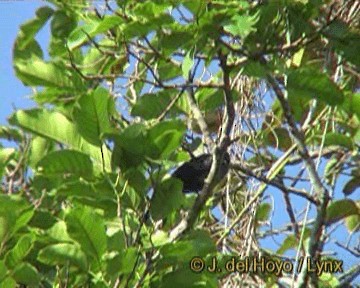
341 209
87 228
57 127
242 25
91 115
66 162
63 254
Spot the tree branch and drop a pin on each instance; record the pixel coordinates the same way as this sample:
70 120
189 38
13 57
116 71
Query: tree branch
320 190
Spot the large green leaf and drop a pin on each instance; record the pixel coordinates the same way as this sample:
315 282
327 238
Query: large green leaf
197 243
345 42
36 72
62 24
29 29
92 27
6 154
341 209
135 139
39 147
15 213
87 228
353 223
63 254
310 83
167 136
242 25
23 246
339 140
352 185
56 126
291 242
11 134
59 163
153 104
167 198
91 115
187 64
185 277
27 274
352 104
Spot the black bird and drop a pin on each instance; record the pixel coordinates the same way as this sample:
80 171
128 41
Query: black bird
194 172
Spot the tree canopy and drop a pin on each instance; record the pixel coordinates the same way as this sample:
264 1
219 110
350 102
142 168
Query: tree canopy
125 91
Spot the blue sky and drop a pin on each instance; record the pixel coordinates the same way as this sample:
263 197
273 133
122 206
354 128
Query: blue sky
15 95
13 92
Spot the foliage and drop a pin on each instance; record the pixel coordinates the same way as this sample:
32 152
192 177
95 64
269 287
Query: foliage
86 199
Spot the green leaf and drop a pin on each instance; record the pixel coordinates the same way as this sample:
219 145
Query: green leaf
167 198
338 139
263 212
26 274
152 105
341 209
197 243
14 214
345 41
58 232
291 242
184 277
3 270
29 29
88 229
352 104
242 25
22 248
57 127
332 168
62 24
134 139
351 185
209 99
59 163
39 147
151 9
91 28
175 40
299 106
327 280
141 26
11 134
254 69
8 282
160 238
137 180
168 70
6 154
98 195
62 254
128 260
91 115
353 223
187 64
36 72
42 219
310 83
167 136
122 263
279 138
23 219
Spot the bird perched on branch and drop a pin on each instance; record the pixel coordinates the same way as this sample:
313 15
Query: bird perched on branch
194 172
